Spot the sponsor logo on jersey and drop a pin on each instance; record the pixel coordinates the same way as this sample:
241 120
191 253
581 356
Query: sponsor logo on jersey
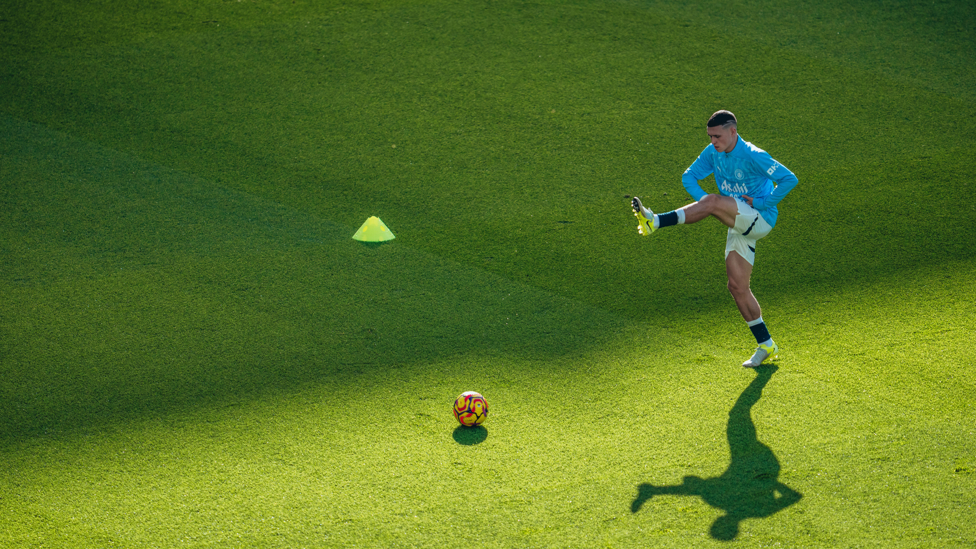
734 190
772 169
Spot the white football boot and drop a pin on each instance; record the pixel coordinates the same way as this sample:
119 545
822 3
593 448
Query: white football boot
762 353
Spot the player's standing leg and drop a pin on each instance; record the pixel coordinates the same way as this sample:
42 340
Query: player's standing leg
739 271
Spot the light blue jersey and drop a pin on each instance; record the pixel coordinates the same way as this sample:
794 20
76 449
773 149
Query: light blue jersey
747 170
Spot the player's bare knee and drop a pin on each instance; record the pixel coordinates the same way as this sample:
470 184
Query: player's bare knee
738 289
709 201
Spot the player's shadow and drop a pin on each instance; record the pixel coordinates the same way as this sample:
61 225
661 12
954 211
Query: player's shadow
749 487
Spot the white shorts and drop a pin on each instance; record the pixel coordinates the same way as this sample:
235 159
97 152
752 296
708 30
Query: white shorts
749 227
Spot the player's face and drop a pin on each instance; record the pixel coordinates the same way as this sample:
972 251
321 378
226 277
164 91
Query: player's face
723 139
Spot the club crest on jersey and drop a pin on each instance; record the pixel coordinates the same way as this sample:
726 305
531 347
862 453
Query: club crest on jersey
739 174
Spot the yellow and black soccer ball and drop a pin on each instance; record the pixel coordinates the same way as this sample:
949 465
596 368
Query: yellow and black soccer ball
471 409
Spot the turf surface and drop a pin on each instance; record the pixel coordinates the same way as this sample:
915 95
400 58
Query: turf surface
195 353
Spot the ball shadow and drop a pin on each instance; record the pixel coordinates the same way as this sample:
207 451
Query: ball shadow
469 436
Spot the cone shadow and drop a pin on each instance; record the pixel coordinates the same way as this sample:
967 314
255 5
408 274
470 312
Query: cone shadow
378 244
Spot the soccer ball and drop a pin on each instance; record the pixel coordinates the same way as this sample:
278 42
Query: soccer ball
471 409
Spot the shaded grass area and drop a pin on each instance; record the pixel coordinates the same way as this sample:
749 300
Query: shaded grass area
503 135
927 45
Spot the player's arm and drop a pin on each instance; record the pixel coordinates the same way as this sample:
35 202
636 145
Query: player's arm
699 169
782 177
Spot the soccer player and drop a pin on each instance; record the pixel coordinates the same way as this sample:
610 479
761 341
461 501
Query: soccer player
750 185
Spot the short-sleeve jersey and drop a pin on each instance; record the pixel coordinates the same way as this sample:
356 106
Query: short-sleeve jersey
747 170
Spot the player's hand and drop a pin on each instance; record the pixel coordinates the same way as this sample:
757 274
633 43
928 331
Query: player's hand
748 200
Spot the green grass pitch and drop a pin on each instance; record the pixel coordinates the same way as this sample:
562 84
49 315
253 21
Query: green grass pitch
195 353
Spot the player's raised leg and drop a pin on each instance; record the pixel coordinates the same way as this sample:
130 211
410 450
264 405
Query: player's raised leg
723 208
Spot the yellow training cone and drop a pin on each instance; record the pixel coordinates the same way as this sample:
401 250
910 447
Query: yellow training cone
374 230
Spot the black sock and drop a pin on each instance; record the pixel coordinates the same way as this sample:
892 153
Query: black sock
759 330
667 219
